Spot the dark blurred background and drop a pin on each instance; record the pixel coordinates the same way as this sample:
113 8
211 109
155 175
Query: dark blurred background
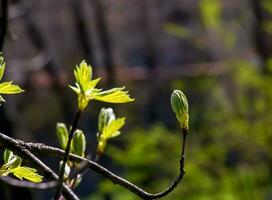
218 52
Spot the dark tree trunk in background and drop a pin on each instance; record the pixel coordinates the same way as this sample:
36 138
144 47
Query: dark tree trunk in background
3 21
6 126
103 34
263 39
82 31
51 66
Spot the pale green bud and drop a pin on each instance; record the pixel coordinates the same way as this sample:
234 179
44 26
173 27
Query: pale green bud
78 143
180 107
62 134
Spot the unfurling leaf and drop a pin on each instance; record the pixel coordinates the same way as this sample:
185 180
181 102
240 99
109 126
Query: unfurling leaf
86 91
62 134
181 108
27 173
13 165
112 130
78 143
115 95
7 87
108 127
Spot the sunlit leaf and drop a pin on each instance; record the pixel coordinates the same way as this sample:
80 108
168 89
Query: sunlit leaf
13 165
108 127
27 173
10 159
7 155
86 91
115 95
112 130
9 88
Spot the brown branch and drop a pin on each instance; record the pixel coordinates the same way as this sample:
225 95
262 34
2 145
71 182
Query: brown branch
19 149
40 148
23 149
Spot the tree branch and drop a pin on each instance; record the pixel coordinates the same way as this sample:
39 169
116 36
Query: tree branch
40 148
19 149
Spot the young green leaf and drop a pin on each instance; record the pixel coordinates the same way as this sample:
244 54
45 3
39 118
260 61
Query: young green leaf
115 95
7 155
78 143
13 165
10 159
27 173
108 127
7 87
86 91
112 130
62 134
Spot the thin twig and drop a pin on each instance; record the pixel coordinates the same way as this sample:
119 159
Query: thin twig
66 155
26 184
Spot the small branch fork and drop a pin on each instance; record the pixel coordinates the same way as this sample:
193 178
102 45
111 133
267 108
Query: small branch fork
27 151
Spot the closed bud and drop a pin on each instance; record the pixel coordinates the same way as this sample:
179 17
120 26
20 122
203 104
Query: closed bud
79 143
62 134
180 107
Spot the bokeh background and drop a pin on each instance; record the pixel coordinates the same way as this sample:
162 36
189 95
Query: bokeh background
219 52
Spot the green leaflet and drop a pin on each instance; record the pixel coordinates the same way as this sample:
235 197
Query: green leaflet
7 87
112 130
86 91
27 173
13 165
108 127
115 95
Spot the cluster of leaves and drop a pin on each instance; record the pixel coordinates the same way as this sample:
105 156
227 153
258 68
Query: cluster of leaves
108 125
86 91
12 165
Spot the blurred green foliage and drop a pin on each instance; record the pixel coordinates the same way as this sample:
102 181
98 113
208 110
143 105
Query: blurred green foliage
229 150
